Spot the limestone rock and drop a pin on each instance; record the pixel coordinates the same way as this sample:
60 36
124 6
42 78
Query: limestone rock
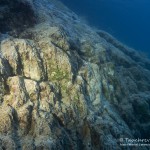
64 85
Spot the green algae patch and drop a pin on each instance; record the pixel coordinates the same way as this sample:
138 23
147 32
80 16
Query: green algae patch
58 75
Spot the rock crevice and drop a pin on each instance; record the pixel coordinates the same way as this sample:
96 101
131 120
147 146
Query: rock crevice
64 85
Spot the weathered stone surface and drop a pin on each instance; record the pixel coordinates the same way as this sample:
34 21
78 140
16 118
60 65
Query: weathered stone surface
64 85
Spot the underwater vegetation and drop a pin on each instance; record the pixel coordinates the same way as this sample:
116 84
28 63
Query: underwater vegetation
65 85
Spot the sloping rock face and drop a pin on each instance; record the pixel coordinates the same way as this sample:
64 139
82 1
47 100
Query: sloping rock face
15 16
64 85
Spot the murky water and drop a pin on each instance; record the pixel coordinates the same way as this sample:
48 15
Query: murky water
127 20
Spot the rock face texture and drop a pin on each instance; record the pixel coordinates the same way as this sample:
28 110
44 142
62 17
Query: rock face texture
64 85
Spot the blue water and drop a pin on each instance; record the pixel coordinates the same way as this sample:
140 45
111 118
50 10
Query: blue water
127 20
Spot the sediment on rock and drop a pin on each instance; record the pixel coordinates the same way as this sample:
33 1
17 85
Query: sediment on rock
64 85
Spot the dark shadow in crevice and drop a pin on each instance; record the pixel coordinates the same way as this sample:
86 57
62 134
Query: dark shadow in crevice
15 128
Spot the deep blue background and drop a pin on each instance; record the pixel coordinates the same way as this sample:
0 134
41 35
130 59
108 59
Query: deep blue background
127 20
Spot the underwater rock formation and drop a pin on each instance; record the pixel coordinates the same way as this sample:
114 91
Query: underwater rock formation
64 85
15 16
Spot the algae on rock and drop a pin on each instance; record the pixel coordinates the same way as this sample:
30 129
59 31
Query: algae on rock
64 85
